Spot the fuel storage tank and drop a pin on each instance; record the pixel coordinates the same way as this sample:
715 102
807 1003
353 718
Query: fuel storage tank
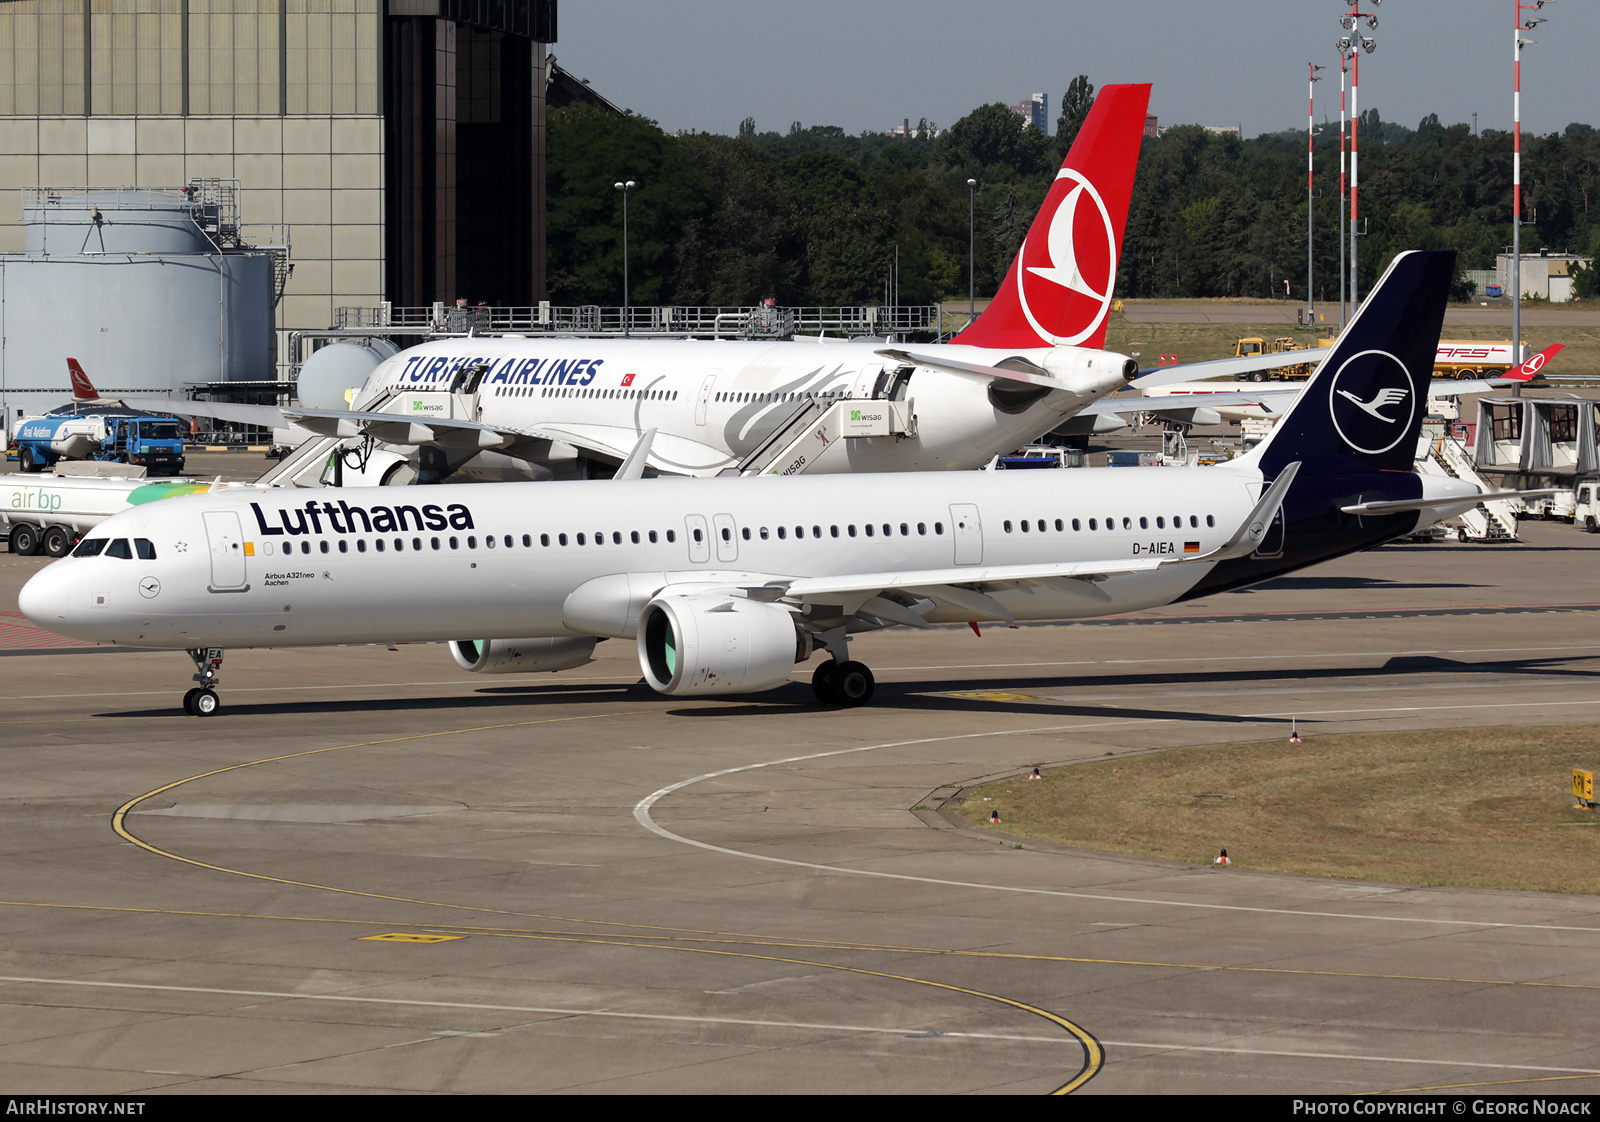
149 289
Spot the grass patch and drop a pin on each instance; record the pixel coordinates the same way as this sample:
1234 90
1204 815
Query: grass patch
1484 808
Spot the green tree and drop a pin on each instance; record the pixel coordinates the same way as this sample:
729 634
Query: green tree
589 150
1075 106
995 141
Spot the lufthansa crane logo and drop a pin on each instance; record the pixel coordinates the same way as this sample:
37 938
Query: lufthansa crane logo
1371 400
1065 284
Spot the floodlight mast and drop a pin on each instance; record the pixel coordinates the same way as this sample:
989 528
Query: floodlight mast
1353 43
627 316
972 251
1311 145
1517 43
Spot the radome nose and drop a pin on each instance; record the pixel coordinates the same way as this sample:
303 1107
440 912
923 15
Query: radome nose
45 598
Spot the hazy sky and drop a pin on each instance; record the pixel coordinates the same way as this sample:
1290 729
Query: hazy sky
866 64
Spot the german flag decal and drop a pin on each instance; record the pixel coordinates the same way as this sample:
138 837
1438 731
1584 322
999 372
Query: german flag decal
1191 547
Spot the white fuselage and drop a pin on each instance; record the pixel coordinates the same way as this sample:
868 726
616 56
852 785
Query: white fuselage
256 567
712 403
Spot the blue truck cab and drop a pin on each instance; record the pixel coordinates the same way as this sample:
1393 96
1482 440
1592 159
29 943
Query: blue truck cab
128 437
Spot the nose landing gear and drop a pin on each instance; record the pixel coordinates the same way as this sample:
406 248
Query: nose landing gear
202 701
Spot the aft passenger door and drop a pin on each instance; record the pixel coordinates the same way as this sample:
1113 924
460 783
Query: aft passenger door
967 529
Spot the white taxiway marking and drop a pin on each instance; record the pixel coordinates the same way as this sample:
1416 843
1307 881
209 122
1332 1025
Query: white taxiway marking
920 1033
641 814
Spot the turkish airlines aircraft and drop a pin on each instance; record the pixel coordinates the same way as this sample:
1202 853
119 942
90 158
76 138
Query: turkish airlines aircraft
555 408
725 584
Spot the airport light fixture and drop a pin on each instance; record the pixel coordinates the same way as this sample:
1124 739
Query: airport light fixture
1311 143
1344 68
972 250
1352 43
1517 43
627 317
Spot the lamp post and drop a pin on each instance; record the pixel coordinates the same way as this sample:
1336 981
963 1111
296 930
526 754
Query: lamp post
627 318
1354 42
1517 43
1311 138
972 250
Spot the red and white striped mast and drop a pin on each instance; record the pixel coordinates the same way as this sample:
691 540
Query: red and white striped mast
1311 138
1344 57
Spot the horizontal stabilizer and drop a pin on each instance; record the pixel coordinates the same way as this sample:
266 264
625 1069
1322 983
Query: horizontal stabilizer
955 366
1399 506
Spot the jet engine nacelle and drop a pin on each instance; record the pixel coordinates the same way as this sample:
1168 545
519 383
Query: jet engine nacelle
522 656
704 643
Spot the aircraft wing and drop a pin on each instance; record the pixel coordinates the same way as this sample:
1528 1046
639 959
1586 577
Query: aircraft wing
397 428
1271 400
1224 367
266 416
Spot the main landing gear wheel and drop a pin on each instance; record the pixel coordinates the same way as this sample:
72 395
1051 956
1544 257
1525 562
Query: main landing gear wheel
852 685
822 682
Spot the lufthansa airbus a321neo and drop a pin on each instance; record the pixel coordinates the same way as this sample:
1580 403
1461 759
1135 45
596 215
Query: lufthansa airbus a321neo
725 584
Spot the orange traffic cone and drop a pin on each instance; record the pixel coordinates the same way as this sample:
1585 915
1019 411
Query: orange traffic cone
1035 774
994 817
1294 730
1223 859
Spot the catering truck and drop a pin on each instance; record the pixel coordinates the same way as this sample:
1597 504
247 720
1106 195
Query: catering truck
47 513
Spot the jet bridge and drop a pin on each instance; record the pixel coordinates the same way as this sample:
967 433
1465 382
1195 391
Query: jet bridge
1531 442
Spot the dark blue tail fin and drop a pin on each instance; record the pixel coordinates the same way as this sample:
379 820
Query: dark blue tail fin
1367 399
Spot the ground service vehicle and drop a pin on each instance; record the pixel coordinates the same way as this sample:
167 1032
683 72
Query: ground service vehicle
1586 511
48 513
1476 358
132 438
1255 345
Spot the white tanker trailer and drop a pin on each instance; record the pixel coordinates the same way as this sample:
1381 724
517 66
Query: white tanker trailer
48 513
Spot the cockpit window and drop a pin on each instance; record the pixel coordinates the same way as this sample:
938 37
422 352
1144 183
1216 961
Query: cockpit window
89 547
145 548
119 548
